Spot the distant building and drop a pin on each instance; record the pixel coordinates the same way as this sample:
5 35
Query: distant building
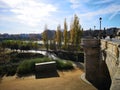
106 32
24 35
112 31
118 34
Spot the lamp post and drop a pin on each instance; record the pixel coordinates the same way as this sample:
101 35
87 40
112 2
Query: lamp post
94 27
100 27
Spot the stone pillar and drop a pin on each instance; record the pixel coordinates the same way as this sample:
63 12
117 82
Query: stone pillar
92 59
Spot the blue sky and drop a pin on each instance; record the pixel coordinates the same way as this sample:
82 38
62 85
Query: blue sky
30 16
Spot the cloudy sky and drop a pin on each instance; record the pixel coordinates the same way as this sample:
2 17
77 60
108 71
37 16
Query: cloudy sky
30 16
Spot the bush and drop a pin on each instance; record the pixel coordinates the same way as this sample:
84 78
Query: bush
2 71
25 68
79 57
29 55
64 65
11 70
17 57
28 66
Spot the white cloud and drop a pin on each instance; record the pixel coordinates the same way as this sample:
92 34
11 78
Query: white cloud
102 1
111 9
77 3
74 1
113 15
90 18
30 12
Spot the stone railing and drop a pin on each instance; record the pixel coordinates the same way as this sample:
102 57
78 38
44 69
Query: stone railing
110 51
111 47
102 63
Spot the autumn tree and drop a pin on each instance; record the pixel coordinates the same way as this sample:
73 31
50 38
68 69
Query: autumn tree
65 35
59 37
75 32
72 34
45 38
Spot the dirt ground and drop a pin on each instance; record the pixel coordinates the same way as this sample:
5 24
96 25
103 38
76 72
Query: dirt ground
68 80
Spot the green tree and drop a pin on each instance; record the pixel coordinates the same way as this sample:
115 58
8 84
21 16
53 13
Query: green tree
65 35
45 38
59 37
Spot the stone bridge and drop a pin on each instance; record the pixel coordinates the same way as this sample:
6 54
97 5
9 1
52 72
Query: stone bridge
102 63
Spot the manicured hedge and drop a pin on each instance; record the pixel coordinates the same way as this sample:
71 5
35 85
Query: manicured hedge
78 57
2 71
16 57
28 66
64 65
11 70
8 70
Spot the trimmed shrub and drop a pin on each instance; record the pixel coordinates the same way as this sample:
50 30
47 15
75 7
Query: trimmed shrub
2 71
78 57
17 57
64 65
11 70
25 68
28 66
29 55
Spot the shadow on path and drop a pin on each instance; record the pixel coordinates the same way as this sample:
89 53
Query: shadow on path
46 74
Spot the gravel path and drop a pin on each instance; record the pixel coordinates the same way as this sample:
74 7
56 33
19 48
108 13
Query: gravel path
68 80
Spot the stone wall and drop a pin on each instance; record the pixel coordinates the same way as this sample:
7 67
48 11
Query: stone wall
102 59
110 51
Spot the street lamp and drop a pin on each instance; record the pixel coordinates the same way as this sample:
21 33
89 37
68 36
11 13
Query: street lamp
100 22
100 27
94 27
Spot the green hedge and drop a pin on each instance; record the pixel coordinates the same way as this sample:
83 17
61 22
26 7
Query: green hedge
8 70
28 66
16 57
2 71
64 65
11 70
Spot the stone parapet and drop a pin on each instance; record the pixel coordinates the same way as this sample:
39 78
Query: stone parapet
110 53
90 43
91 56
116 80
102 58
